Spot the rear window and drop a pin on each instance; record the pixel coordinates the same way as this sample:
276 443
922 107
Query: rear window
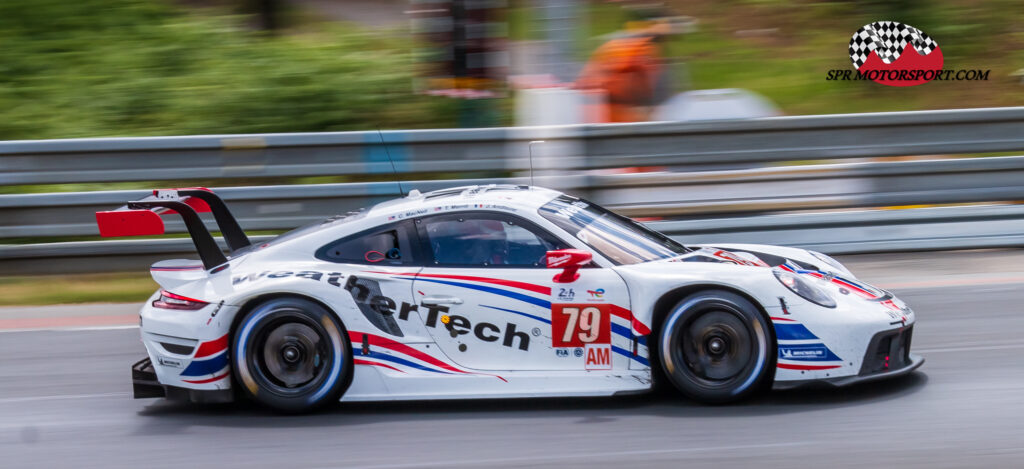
305 230
389 245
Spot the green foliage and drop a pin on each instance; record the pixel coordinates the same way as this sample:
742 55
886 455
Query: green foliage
142 67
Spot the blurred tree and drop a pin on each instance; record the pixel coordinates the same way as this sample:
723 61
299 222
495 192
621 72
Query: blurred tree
145 67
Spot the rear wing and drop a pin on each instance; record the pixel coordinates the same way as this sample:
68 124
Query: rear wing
142 217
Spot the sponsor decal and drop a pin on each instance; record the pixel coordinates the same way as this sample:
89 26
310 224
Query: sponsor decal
807 352
557 261
376 308
332 278
571 210
737 259
171 362
596 294
575 325
566 294
215 311
381 311
599 356
897 54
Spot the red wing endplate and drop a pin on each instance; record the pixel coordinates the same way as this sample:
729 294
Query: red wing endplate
125 222
142 217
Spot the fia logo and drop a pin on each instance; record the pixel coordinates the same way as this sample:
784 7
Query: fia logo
566 294
562 352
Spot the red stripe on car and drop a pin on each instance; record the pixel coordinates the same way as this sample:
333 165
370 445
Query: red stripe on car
208 380
789 366
212 347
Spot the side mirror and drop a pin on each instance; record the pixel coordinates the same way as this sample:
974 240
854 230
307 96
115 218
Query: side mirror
570 261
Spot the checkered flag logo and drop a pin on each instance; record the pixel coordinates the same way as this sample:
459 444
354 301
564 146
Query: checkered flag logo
888 39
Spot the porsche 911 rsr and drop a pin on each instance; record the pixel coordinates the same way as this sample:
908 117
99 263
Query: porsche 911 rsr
494 291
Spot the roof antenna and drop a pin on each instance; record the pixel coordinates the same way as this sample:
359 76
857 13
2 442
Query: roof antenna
380 134
530 145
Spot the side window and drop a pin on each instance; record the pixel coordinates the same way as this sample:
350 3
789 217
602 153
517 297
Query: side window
389 247
481 240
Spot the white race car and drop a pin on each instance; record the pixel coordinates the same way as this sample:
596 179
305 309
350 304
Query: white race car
494 291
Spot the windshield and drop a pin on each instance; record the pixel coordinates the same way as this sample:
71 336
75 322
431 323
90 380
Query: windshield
618 238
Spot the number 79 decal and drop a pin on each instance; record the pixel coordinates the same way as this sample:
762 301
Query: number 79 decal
575 325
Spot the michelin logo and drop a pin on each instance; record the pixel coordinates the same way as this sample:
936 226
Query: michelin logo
790 353
808 352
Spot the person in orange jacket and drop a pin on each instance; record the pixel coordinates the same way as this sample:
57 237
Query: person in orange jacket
629 71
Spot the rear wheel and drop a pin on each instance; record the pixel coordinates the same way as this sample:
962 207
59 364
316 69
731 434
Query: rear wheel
714 347
292 355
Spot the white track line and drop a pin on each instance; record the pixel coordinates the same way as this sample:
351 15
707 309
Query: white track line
72 328
565 457
11 400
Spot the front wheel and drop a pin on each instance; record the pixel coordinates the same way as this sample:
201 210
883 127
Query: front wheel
714 347
292 355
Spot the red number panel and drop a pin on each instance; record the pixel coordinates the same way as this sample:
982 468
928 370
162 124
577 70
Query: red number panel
575 325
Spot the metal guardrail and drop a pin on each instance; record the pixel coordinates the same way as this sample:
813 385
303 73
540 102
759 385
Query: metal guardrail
501 149
716 173
664 194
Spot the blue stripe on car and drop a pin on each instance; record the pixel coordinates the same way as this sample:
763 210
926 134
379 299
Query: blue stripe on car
793 332
358 352
515 296
206 367
628 354
531 316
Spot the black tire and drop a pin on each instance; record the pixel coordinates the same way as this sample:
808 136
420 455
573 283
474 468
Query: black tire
292 355
715 347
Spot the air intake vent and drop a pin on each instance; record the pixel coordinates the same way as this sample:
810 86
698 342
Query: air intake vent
178 349
888 351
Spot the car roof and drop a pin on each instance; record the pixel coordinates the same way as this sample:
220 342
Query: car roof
521 200
498 197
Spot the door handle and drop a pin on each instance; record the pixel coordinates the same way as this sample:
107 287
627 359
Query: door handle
437 300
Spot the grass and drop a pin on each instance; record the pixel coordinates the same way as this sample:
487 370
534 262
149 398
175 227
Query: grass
85 288
99 68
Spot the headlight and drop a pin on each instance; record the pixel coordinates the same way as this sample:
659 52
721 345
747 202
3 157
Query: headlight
829 260
803 288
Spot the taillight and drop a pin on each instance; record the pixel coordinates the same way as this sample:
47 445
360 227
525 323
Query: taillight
169 300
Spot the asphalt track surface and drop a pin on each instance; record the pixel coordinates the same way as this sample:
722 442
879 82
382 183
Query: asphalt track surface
64 402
